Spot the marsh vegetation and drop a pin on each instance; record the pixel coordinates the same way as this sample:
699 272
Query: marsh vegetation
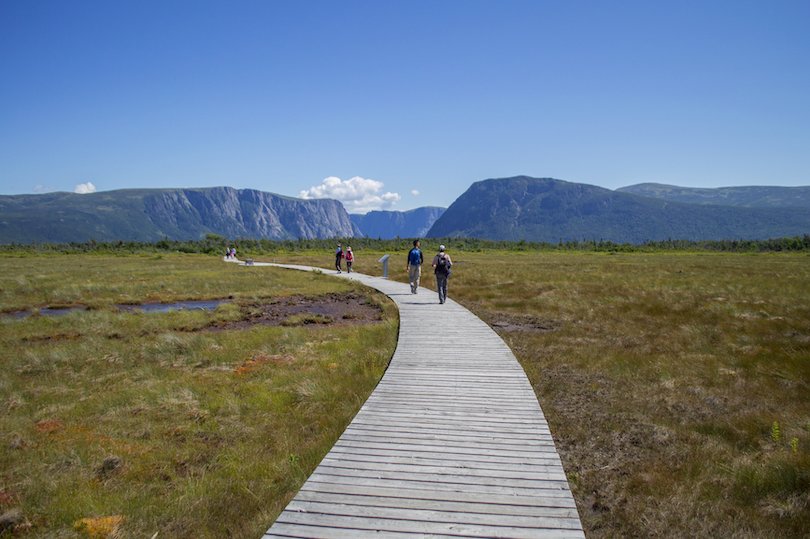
187 423
676 384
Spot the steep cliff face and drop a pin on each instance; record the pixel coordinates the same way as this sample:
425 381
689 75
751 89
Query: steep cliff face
246 213
152 214
397 224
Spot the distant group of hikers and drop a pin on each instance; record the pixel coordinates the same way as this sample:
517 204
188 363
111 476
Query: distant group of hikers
340 254
441 266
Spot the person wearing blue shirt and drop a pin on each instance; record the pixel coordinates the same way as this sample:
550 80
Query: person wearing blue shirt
414 266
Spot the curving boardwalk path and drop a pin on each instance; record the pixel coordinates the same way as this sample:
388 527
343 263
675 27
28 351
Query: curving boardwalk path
451 443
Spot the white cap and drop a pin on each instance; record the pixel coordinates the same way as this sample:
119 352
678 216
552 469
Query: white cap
441 247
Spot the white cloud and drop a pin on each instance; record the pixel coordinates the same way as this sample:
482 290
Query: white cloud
84 188
415 192
358 195
41 189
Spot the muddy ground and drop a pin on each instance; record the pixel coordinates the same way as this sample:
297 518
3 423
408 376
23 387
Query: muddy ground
329 309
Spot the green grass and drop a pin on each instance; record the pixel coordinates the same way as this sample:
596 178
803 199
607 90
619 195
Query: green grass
215 430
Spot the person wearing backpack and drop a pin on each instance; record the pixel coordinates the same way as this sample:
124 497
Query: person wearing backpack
414 266
441 267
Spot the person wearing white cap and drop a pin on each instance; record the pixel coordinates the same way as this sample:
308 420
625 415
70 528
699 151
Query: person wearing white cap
441 267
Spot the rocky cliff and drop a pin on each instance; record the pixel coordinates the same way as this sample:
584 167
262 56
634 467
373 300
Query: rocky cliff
153 214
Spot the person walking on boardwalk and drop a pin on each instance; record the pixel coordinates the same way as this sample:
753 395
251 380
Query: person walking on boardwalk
349 259
441 267
338 258
414 266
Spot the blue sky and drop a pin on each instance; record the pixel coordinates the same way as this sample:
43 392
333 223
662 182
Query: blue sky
401 103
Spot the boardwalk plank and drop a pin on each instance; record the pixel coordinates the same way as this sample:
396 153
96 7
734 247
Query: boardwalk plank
524 467
448 478
540 490
389 525
528 502
473 460
455 505
438 470
432 515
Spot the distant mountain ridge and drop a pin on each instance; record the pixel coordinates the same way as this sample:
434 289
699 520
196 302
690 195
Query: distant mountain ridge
518 208
550 210
397 224
743 196
154 214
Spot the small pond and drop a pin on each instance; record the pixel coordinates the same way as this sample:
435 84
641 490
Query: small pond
203 305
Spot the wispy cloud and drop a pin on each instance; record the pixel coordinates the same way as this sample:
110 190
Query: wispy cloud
358 195
415 192
40 189
85 188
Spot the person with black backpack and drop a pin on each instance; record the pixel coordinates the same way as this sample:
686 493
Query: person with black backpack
414 266
441 267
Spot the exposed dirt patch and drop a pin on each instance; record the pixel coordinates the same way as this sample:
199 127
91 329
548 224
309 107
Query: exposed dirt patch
258 360
331 309
49 425
511 322
55 337
7 497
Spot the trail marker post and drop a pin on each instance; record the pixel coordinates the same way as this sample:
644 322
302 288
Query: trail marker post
384 261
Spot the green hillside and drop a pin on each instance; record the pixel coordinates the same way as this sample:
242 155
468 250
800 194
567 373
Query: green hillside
545 209
745 196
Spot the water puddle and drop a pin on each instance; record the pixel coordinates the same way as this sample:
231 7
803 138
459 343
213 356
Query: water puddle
203 305
44 311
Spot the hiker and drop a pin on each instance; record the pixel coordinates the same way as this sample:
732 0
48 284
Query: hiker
414 266
349 259
339 258
441 267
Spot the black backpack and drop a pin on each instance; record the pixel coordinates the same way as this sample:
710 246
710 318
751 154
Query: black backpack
443 265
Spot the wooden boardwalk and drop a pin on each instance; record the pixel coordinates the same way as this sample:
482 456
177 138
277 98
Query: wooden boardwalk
451 443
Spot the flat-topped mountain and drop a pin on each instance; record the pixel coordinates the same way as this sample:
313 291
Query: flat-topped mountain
745 196
154 214
387 225
545 209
